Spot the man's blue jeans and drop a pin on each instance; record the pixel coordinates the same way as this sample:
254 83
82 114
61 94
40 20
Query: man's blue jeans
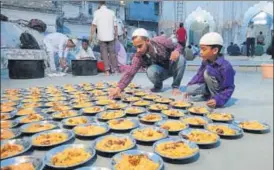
157 74
68 59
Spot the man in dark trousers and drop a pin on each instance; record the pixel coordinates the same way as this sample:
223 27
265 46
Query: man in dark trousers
181 35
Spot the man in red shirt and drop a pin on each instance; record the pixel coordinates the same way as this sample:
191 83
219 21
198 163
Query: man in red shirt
182 35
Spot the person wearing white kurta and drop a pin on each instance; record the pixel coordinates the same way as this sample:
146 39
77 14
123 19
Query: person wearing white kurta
57 43
85 52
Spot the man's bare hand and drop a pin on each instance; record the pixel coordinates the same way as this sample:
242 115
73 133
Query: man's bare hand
174 55
185 96
176 92
211 103
114 92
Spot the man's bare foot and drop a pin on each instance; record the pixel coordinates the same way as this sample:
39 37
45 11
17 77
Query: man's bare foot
176 92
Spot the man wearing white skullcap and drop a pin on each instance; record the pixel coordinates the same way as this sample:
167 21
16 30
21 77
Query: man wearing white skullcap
162 58
214 80
57 46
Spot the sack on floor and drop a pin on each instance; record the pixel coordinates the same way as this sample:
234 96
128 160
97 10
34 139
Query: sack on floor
28 41
3 17
37 25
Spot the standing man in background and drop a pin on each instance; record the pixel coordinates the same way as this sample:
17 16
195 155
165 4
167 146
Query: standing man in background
120 30
181 35
250 40
105 22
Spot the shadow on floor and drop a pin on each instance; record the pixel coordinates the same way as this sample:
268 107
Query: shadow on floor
232 101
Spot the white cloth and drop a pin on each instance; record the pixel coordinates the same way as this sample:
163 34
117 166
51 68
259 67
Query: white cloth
85 54
55 43
250 33
105 20
120 27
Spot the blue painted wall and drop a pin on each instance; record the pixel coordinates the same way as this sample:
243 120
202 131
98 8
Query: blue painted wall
141 11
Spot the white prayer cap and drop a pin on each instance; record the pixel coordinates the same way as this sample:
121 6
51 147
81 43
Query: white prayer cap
140 32
212 38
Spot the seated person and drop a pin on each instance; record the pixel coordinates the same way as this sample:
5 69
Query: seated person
235 50
85 52
229 48
189 53
214 80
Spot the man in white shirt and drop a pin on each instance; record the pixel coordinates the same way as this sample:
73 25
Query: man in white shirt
120 29
250 40
105 22
57 44
85 51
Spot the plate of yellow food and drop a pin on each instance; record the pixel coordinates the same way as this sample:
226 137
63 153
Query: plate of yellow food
200 136
33 118
172 126
7 116
57 103
14 98
98 93
31 105
114 143
225 129
122 124
6 124
140 93
134 110
110 114
33 100
180 104
173 113
9 103
81 105
158 107
51 137
148 134
91 129
78 120
96 98
69 156
253 126
60 98
116 106
6 109
23 163
221 117
198 110
57 108
163 100
176 149
105 102
142 103
133 85
26 111
92 110
36 127
129 99
151 118
129 90
65 114
136 159
80 100
9 133
14 147
151 97
196 121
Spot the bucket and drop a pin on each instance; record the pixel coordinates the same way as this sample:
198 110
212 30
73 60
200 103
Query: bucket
267 71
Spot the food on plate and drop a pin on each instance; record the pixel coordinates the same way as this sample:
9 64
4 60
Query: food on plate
198 110
195 121
121 124
141 103
180 104
65 113
163 100
173 125
5 116
31 118
6 134
252 125
131 99
220 116
5 108
112 114
113 143
9 149
82 104
152 117
8 103
148 134
158 107
174 113
33 128
26 111
31 105
105 102
76 121
136 162
6 124
116 106
140 93
50 139
70 157
89 130
201 136
221 129
92 110
20 166
134 110
175 149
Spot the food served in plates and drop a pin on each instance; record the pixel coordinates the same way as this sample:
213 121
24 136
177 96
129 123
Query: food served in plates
198 110
136 162
220 116
252 125
20 166
131 99
105 102
6 124
121 124
221 129
31 118
141 103
175 149
163 100
5 116
134 110
37 127
201 136
116 106
195 120
70 156
148 134
93 109
6 134
89 130
65 114
151 97
50 138
9 149
26 111
76 121
8 103
113 143
151 117
82 104
140 93
5 109
173 113
112 114
180 104
173 125
31 105
158 107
